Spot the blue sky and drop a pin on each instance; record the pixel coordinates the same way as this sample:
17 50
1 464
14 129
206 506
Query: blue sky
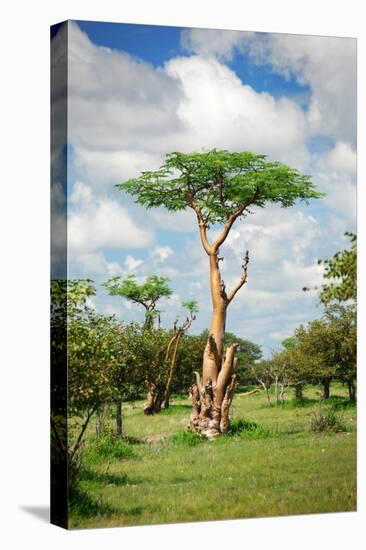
157 44
137 92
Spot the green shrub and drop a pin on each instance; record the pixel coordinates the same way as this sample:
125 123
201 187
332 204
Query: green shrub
187 439
242 428
108 446
331 421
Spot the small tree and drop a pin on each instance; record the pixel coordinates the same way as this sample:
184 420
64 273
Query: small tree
317 353
342 342
147 294
279 371
220 187
159 388
68 304
138 353
296 371
262 372
92 359
88 342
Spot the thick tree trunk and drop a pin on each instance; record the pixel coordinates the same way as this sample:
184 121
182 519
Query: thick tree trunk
298 391
212 396
119 430
154 399
326 388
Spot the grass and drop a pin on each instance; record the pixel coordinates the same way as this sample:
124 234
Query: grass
271 463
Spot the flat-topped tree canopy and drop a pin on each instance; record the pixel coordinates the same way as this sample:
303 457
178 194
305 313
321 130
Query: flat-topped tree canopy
219 184
146 293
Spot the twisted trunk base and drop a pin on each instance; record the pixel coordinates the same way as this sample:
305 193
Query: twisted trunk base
154 399
211 401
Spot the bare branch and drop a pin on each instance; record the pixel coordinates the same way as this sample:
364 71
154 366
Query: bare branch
231 219
243 278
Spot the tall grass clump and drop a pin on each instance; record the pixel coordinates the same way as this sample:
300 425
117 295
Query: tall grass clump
329 421
186 439
108 446
242 428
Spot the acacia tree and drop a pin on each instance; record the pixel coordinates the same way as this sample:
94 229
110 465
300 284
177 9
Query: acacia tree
220 187
146 294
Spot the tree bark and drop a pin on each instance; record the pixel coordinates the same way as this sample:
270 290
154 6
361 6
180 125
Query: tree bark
154 399
119 430
212 396
326 388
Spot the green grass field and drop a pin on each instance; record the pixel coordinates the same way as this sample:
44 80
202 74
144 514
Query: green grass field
160 474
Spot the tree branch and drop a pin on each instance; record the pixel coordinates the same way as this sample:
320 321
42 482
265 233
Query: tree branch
83 428
242 280
231 219
201 223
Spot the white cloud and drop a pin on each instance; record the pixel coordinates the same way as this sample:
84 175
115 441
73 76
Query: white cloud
105 168
96 223
125 115
161 253
92 264
220 111
131 263
114 98
211 41
335 173
341 159
326 64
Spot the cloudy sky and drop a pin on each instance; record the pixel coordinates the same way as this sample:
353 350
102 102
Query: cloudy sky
137 92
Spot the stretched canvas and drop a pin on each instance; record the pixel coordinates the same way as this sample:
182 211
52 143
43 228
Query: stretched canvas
203 278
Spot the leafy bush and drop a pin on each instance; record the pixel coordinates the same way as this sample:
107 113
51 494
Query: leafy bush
187 439
331 421
108 446
242 428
